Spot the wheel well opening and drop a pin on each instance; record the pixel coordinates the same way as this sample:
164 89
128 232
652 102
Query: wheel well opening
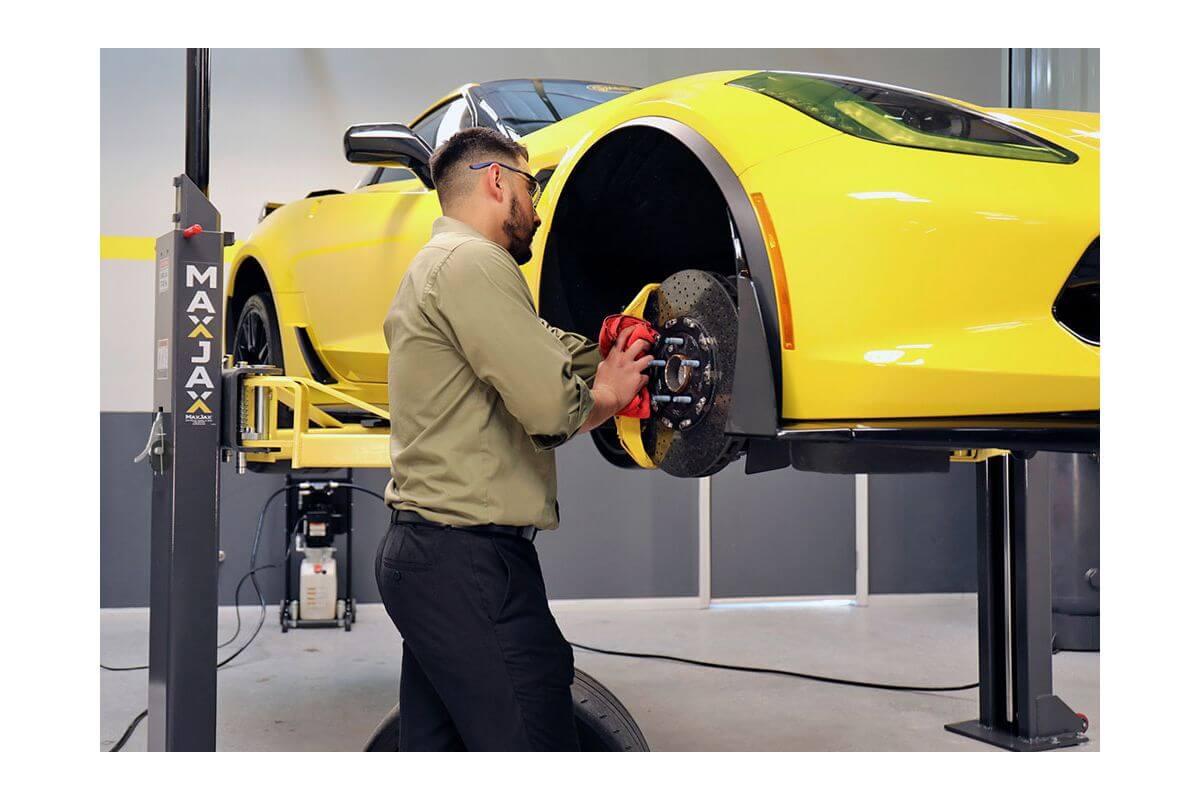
638 207
250 280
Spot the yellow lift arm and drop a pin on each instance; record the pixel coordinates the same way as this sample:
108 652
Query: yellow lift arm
316 439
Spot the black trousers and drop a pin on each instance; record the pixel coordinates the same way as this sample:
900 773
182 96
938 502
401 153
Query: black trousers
485 665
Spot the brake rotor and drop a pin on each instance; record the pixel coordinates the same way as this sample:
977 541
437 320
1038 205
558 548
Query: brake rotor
691 392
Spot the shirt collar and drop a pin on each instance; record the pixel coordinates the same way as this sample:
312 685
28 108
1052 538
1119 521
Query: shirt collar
452 225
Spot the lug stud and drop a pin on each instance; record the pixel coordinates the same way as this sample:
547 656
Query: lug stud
690 362
681 399
661 398
658 362
673 340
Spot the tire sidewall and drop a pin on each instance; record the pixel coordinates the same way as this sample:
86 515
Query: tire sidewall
600 718
262 306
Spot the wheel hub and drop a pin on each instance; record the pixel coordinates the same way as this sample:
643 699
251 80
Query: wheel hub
683 387
692 381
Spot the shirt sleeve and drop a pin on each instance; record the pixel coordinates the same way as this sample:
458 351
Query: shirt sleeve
585 354
481 302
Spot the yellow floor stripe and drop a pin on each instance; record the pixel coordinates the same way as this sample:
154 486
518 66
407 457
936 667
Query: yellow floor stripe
139 248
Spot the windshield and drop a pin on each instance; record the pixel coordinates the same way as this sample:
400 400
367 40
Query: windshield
524 106
896 116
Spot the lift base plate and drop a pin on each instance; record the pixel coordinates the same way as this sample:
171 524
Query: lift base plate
974 729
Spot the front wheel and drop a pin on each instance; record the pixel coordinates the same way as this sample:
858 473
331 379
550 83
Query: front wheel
256 337
602 722
256 341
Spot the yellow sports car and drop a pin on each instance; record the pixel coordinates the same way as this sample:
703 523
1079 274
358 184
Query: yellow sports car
848 276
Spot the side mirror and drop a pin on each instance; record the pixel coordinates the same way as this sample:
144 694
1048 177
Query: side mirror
389 144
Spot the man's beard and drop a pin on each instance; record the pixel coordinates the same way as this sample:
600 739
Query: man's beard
520 234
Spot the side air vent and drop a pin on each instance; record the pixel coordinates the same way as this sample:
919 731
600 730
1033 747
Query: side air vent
1077 306
316 367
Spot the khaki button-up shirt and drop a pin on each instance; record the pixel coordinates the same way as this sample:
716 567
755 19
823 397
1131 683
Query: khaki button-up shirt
480 388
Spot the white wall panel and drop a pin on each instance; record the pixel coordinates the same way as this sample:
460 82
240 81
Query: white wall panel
278 117
126 335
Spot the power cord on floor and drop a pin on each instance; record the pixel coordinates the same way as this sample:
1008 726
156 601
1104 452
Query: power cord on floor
129 731
236 606
262 602
768 671
251 574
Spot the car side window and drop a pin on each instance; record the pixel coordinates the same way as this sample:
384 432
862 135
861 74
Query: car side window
457 117
434 129
389 174
444 122
427 128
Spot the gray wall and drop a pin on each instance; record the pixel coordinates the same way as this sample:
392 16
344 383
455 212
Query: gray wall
277 122
782 533
623 534
923 532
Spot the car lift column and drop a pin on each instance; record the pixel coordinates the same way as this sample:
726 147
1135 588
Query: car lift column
183 449
1018 709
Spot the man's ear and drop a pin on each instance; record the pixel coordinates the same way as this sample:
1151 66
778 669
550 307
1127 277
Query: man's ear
494 183
491 182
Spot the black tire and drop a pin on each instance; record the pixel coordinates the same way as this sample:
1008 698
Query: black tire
603 724
256 340
256 337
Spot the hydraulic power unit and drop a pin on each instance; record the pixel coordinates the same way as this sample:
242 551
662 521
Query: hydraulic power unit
315 594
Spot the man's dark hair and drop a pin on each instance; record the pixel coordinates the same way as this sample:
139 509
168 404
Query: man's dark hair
449 163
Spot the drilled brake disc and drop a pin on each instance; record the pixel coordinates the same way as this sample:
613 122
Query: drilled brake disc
691 391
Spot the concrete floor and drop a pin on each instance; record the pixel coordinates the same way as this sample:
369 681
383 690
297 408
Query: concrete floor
325 690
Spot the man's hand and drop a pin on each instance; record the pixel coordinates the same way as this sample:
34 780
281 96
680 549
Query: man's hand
618 379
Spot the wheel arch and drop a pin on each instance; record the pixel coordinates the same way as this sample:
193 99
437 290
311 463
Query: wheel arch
757 397
248 279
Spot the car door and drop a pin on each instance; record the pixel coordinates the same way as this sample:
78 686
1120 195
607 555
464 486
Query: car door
363 243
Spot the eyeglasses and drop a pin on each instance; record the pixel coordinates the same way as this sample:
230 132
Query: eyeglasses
535 188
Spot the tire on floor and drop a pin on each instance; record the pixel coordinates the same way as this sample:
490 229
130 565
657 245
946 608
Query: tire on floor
603 723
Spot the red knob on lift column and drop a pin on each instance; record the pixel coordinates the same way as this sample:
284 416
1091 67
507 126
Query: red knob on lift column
191 231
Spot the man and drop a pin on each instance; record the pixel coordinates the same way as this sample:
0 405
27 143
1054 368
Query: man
480 391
